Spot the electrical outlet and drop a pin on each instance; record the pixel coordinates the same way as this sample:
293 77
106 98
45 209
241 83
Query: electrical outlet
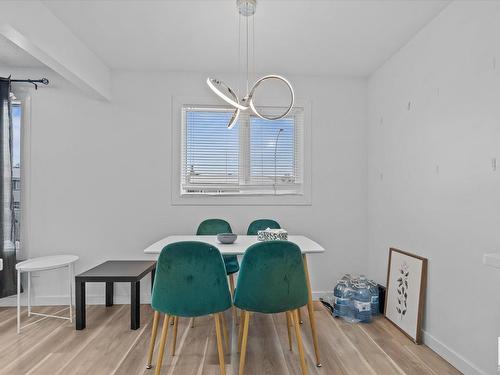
494 164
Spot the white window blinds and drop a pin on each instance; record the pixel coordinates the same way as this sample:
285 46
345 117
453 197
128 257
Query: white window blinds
255 157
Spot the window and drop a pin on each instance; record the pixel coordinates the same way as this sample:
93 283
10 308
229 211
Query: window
211 152
255 157
16 171
272 151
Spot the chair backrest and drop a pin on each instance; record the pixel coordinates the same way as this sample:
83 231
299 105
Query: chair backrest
262 224
190 280
272 278
213 226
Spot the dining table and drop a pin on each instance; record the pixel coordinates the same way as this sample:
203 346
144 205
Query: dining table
239 246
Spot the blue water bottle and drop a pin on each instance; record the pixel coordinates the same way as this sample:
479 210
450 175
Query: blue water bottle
348 307
362 303
340 303
374 292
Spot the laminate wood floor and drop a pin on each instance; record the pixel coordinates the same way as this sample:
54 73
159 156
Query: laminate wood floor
108 346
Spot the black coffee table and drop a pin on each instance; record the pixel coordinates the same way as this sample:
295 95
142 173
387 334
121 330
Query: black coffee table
114 271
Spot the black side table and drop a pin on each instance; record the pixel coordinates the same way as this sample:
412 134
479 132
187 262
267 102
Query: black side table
114 271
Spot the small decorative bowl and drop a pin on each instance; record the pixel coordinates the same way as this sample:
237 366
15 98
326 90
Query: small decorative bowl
226 238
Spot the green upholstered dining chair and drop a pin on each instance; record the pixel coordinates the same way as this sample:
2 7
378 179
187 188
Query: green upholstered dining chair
190 281
261 224
272 280
216 226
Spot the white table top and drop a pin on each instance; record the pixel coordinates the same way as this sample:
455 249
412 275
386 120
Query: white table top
237 248
46 263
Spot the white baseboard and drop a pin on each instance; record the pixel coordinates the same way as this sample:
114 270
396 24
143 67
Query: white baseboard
63 300
458 361
90 299
317 295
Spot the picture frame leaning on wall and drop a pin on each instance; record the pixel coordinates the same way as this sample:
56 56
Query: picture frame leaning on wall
405 294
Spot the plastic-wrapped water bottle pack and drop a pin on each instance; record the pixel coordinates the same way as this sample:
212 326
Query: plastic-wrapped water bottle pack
355 299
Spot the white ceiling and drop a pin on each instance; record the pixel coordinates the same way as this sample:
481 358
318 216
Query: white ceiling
12 55
292 37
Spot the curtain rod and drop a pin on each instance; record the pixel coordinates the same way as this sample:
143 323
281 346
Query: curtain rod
34 82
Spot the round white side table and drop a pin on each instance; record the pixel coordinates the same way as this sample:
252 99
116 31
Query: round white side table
43 264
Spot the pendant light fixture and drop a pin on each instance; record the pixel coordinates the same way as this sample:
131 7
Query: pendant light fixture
246 9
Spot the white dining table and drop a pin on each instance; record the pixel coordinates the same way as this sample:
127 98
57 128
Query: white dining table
306 245
239 247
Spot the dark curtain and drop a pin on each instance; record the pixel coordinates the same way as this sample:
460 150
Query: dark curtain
8 277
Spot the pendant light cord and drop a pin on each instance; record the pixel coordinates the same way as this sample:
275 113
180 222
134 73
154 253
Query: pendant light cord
253 48
248 40
238 70
248 50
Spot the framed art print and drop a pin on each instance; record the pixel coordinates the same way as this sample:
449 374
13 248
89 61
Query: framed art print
405 295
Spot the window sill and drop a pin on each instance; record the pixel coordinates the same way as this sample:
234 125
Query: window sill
242 200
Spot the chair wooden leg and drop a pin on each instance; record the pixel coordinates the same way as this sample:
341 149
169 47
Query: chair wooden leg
231 284
312 318
240 333
224 330
174 342
244 340
296 324
300 317
164 332
156 318
192 322
289 321
220 350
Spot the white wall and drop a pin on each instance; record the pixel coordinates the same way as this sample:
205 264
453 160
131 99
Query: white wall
100 175
432 189
52 43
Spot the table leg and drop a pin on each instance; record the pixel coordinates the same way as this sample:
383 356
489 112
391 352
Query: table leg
312 318
29 294
135 305
109 293
80 304
70 284
153 273
18 301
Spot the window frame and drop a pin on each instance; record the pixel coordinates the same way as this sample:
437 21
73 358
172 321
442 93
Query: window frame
178 137
24 100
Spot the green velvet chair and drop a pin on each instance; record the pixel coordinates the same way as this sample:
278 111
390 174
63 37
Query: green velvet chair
190 281
272 280
213 227
261 224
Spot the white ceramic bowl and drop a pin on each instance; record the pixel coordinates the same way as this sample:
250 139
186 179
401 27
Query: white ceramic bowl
226 238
